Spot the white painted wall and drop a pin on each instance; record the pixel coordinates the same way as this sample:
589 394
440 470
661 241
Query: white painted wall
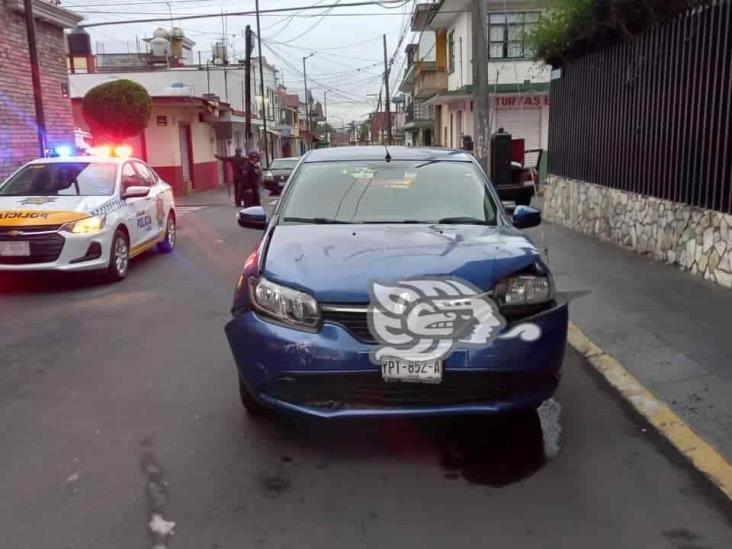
189 82
463 73
426 48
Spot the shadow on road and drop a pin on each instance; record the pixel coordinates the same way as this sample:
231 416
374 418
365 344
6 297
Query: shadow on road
485 450
52 282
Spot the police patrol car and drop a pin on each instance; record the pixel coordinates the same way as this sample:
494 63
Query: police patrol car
84 213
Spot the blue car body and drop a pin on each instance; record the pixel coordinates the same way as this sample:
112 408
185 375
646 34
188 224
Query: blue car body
328 372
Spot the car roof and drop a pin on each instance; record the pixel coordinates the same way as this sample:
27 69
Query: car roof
378 152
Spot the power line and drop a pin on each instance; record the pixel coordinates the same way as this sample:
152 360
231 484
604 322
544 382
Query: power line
251 12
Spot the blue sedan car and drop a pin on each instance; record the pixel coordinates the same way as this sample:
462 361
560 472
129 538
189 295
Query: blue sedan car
390 281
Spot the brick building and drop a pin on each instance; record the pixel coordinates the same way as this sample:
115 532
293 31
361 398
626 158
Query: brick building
18 134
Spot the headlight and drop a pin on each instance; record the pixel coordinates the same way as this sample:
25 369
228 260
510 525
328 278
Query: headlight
90 225
284 304
524 290
268 175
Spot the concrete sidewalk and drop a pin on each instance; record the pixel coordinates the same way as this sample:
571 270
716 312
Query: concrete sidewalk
671 330
216 197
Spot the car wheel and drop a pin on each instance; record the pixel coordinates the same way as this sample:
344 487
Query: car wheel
167 245
251 405
119 257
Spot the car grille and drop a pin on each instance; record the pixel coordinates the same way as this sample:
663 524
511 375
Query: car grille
352 319
369 390
355 320
43 247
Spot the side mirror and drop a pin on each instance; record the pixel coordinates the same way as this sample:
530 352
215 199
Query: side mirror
252 218
135 191
525 217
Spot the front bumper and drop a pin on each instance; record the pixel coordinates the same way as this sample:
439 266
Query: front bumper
74 248
330 373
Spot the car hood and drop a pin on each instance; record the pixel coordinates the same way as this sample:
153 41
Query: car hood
335 263
286 172
48 210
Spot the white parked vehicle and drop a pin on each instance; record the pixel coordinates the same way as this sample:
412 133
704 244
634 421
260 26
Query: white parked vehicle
84 213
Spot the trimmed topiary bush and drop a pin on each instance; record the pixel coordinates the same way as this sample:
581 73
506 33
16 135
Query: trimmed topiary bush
117 109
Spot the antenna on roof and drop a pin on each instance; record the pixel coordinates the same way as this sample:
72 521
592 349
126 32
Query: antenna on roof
388 156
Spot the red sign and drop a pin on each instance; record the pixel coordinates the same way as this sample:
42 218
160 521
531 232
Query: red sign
520 101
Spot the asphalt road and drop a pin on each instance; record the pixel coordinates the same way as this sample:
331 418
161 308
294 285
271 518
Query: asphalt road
119 407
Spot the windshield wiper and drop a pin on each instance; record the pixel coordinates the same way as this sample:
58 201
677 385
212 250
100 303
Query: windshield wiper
315 220
462 221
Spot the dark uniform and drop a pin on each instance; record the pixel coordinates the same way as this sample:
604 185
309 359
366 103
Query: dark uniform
238 167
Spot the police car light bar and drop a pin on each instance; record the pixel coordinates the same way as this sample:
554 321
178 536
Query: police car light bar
119 151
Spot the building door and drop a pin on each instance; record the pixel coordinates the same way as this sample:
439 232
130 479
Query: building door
222 149
186 155
452 132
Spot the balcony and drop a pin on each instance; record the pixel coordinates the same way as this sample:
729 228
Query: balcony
429 79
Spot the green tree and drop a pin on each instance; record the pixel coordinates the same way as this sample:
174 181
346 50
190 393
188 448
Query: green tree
571 28
117 109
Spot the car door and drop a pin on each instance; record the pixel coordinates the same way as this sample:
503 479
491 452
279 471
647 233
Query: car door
158 208
140 209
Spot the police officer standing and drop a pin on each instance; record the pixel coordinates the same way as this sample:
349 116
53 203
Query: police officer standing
238 164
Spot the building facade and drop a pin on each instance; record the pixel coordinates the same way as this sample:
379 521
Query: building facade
18 130
198 112
443 80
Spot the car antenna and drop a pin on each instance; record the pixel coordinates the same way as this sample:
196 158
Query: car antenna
388 156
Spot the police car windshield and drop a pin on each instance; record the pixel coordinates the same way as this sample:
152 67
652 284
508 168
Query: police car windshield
62 179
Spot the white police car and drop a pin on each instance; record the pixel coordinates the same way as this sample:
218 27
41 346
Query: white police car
84 213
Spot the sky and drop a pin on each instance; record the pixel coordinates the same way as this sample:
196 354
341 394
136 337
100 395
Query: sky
348 60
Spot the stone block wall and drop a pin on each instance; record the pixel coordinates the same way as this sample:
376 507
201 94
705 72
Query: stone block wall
696 240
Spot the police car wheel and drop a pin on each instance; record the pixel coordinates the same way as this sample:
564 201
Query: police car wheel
119 257
251 405
167 245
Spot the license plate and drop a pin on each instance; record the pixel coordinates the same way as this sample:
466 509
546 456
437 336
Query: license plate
15 249
413 371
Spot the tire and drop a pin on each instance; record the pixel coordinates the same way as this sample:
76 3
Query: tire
119 257
251 405
167 245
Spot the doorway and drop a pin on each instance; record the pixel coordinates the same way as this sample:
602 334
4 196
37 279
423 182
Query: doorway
186 155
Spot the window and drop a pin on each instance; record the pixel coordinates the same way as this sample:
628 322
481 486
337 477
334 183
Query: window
130 177
62 179
451 52
507 34
388 192
147 177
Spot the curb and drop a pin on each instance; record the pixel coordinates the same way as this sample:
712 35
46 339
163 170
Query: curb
702 455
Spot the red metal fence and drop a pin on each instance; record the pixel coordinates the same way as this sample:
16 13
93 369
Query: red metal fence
652 115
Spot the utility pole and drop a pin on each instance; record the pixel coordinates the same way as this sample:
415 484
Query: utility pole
481 109
261 87
30 28
249 46
325 115
387 99
307 102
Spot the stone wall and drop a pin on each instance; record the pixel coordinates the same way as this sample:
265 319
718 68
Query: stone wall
696 240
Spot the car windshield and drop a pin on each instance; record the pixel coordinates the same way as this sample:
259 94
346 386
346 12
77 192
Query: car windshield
62 179
389 192
283 164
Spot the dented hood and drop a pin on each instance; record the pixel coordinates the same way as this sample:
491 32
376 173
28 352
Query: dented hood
335 263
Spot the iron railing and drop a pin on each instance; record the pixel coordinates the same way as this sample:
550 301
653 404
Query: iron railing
652 115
